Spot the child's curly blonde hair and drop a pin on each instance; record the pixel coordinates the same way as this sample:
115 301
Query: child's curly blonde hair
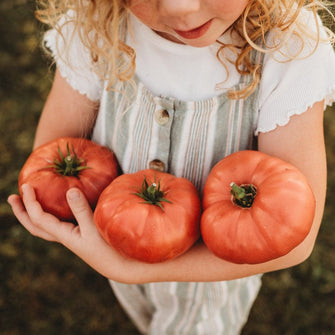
99 22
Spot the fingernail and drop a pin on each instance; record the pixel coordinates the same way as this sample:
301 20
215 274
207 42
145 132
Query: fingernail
9 199
73 194
24 188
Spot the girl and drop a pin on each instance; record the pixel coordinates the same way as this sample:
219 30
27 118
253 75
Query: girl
177 85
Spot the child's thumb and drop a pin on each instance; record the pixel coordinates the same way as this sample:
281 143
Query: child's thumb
79 206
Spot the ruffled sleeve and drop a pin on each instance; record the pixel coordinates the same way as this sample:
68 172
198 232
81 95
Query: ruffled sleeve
290 87
74 61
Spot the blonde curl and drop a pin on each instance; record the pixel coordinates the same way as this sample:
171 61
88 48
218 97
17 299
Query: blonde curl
99 24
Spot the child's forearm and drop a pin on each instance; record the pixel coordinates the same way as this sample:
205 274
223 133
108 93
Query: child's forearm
198 265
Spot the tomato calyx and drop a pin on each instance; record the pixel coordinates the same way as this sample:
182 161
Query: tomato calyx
70 165
243 195
152 194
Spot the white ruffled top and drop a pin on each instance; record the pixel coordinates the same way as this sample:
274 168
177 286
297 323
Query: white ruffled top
190 74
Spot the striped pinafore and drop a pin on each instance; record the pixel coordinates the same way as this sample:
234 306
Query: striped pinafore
184 138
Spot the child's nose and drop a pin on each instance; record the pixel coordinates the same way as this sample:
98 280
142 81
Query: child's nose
178 7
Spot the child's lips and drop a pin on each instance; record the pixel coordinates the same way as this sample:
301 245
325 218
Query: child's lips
196 32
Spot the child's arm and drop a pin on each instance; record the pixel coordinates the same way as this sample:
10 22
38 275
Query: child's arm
66 113
300 142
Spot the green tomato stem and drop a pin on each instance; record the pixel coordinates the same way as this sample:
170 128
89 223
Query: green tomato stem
243 195
152 194
70 165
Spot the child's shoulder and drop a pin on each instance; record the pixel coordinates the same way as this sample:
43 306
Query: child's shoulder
296 75
73 59
298 40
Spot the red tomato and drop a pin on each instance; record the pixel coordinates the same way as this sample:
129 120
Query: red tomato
149 215
270 213
53 168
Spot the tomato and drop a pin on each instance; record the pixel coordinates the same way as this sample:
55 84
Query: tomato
55 167
149 216
256 208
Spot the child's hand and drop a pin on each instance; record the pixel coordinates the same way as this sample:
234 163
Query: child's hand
44 225
82 239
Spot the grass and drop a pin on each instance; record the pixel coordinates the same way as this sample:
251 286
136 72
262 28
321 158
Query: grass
47 290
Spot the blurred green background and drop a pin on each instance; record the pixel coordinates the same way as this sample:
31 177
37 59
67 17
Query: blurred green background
44 289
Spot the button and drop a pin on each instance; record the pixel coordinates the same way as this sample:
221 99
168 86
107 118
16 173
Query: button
157 165
162 116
